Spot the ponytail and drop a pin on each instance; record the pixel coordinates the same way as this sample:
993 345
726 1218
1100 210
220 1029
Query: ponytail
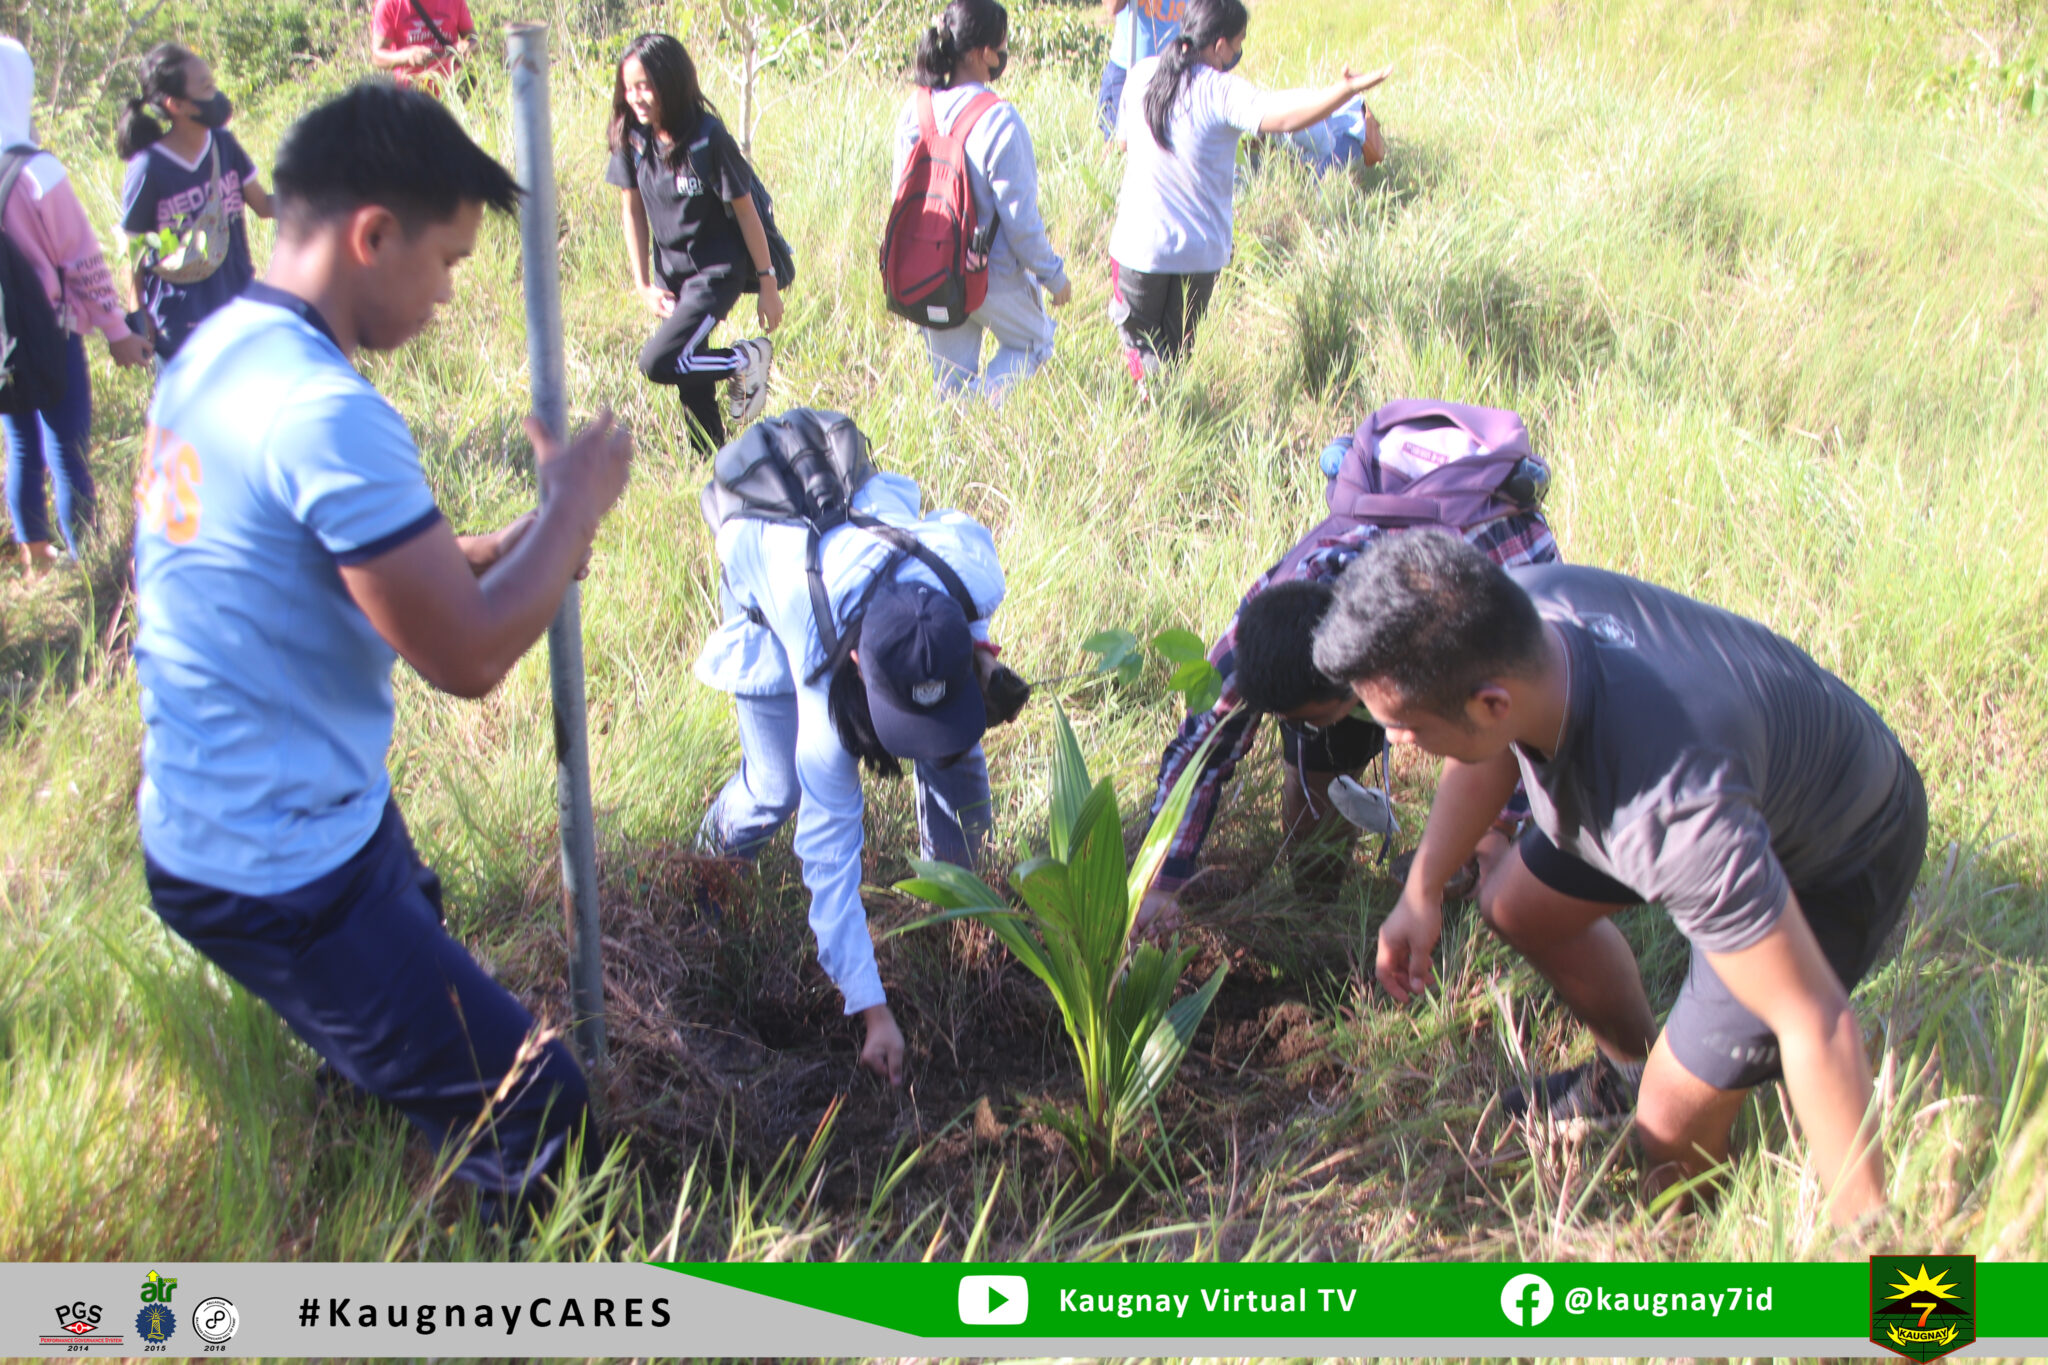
163 77
1204 23
136 130
965 26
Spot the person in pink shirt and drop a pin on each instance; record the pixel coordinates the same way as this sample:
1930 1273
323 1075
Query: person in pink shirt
421 42
46 223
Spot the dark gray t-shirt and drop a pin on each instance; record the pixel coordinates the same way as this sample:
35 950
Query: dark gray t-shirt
1706 762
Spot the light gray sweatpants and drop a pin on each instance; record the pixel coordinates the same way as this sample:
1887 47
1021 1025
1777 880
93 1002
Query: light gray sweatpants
1015 312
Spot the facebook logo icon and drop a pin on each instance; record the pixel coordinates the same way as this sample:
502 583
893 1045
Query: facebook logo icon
1526 1300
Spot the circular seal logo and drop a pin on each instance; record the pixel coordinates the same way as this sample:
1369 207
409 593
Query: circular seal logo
155 1322
215 1320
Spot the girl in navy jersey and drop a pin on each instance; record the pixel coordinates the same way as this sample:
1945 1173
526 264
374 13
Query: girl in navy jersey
694 237
181 176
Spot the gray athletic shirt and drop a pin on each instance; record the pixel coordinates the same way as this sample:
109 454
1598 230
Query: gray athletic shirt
1706 762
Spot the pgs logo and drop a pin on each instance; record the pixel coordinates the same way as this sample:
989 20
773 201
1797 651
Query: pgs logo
156 1321
1923 1307
80 1322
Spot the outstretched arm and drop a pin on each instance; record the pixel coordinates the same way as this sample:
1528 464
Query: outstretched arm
1290 111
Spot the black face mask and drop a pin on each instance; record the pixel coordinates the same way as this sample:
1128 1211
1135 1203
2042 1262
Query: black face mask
214 111
995 72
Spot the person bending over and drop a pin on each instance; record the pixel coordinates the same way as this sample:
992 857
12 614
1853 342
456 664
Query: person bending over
287 550
1672 752
911 675
1266 656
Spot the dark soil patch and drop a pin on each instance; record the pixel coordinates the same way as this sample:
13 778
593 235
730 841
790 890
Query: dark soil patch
728 1046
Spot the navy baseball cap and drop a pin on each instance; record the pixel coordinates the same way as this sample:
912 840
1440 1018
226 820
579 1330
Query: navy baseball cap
917 659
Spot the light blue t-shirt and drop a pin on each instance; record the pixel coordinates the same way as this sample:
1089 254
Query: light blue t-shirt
1143 29
266 693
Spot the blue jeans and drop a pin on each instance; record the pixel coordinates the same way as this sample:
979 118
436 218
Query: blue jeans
1109 97
954 813
60 430
357 963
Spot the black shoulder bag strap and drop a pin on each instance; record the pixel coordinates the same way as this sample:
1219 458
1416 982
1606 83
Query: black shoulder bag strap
11 166
836 653
432 27
906 543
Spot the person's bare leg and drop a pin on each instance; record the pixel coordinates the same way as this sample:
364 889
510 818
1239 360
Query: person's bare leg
1574 945
1682 1122
1319 838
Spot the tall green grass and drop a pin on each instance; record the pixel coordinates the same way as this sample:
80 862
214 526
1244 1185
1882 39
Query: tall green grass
1778 326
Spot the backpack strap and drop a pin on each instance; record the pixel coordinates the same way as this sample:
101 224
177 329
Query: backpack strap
841 648
12 165
904 547
971 115
907 544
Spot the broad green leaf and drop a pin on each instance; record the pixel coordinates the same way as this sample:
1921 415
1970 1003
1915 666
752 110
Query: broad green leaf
1115 646
1096 880
1168 1043
1204 695
1191 678
951 886
1180 646
1130 669
1070 784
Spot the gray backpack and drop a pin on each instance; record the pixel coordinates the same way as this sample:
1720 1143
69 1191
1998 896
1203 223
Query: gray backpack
802 469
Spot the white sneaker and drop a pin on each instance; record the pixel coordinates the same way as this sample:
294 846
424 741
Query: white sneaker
749 398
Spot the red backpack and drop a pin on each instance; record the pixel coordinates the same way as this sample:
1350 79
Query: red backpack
934 252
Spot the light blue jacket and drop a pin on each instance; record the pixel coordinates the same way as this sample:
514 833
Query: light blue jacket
764 569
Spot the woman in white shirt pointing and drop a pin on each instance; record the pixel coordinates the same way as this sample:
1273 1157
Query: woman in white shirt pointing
1180 120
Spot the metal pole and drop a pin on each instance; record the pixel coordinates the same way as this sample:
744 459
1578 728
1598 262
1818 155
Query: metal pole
526 52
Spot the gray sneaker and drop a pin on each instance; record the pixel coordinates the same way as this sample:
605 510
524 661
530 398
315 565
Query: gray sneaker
749 398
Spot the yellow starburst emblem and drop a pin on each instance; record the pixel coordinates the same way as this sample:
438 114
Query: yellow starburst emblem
1920 1282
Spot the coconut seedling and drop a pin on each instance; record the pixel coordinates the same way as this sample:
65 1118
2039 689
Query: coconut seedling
1073 932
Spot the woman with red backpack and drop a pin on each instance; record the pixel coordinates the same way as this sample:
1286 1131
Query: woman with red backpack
1181 117
957 60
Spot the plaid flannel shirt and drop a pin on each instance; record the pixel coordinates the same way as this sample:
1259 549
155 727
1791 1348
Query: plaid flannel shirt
1521 539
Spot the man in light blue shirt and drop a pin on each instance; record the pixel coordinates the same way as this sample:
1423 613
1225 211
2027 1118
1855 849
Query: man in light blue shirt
288 551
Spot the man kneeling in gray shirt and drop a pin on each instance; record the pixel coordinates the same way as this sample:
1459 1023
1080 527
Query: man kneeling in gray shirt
1672 753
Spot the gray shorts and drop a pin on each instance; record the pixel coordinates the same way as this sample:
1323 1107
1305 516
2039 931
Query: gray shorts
1709 1031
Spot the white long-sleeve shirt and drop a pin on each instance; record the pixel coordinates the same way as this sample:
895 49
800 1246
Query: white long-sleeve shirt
764 570
1002 170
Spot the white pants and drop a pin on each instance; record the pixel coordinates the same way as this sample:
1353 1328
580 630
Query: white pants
1015 312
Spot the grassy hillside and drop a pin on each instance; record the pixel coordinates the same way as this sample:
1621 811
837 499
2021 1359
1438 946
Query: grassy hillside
1767 280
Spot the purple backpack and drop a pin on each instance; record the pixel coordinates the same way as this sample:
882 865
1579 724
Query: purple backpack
1425 462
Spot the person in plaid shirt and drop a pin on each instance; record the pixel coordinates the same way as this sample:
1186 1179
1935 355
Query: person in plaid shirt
1264 656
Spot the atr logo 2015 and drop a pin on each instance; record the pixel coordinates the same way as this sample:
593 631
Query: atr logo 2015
1923 1307
80 1322
156 1321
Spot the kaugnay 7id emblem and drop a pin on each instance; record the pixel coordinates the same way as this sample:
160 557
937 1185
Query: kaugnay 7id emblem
1923 1307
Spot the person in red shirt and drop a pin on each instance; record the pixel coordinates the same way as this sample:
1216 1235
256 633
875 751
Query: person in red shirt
421 42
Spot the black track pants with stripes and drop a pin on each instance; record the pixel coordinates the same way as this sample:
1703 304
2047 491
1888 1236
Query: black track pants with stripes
677 355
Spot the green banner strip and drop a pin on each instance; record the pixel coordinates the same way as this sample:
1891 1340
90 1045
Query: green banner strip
1547 1299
